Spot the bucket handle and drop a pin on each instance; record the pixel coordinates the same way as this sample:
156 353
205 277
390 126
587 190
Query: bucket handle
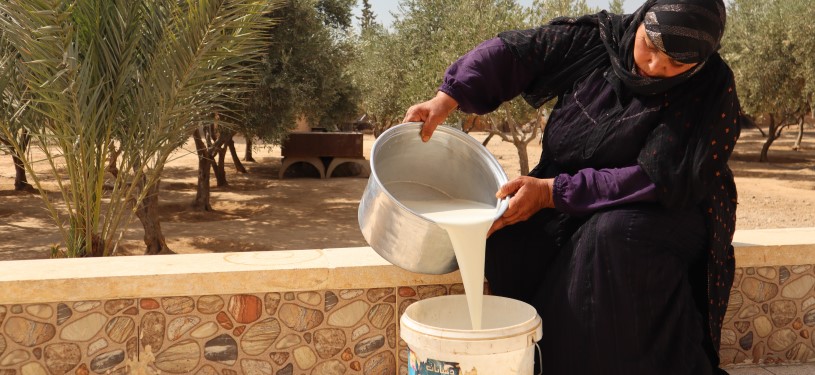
540 358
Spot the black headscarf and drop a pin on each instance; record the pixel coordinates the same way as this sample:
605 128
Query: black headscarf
688 31
619 35
686 153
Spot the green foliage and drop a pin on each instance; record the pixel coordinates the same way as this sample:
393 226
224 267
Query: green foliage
800 31
542 11
767 46
396 69
305 71
368 18
336 13
379 73
15 114
138 73
616 7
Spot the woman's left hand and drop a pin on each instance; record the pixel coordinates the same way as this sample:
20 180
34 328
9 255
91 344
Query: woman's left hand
530 195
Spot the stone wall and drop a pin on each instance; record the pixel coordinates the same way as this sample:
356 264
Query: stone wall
771 316
345 331
325 312
277 313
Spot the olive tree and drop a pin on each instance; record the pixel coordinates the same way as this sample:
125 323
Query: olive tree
799 34
765 48
542 11
380 75
400 67
616 6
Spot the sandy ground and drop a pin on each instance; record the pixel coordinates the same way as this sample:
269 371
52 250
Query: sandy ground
258 211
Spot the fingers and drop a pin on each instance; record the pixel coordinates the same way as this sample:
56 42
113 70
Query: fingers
506 190
424 112
509 188
414 113
427 130
432 112
526 195
511 216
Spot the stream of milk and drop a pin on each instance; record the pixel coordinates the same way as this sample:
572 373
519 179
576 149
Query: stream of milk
466 223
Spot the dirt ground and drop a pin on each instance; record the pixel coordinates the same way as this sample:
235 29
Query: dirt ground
258 211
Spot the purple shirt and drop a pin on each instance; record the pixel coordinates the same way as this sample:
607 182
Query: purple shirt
590 189
489 75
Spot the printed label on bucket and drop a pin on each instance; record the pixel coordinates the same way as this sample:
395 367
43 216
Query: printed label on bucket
431 366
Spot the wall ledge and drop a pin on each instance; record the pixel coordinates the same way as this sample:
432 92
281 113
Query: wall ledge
774 247
49 280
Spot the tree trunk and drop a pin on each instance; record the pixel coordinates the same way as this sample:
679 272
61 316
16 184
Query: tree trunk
771 135
523 158
750 122
219 147
461 124
113 159
247 154
147 212
235 159
20 179
487 140
201 202
528 138
521 141
219 168
800 137
468 123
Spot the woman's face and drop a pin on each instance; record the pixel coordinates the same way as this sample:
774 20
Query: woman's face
653 63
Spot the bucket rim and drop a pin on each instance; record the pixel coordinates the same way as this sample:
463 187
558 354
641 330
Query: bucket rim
524 328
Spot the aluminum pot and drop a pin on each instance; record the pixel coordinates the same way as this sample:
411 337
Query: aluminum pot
453 163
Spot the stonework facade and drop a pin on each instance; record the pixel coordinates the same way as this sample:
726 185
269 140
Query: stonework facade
349 331
771 316
771 319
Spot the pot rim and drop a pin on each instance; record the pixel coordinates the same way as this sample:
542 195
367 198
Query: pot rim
501 204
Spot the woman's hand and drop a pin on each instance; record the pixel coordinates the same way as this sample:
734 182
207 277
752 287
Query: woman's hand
432 112
530 196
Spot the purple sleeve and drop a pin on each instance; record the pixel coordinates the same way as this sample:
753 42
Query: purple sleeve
590 189
485 77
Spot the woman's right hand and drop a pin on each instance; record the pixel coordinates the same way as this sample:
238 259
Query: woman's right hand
528 196
432 112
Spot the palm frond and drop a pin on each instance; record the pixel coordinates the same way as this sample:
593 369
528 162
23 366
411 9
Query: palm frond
137 73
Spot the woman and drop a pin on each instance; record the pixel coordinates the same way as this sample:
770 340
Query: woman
621 235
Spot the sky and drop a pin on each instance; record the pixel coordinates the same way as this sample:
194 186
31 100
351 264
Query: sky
383 8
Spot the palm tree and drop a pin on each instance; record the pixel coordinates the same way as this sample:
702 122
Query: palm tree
137 76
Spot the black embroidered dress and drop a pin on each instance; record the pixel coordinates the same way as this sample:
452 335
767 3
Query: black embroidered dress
633 288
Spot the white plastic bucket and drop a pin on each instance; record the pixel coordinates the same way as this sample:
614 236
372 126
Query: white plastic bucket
440 341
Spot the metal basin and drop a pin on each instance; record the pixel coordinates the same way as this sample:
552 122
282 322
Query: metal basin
452 163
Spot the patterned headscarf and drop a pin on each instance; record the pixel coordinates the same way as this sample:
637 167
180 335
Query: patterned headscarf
688 32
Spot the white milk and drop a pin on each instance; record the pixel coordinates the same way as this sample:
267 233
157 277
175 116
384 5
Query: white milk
467 223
